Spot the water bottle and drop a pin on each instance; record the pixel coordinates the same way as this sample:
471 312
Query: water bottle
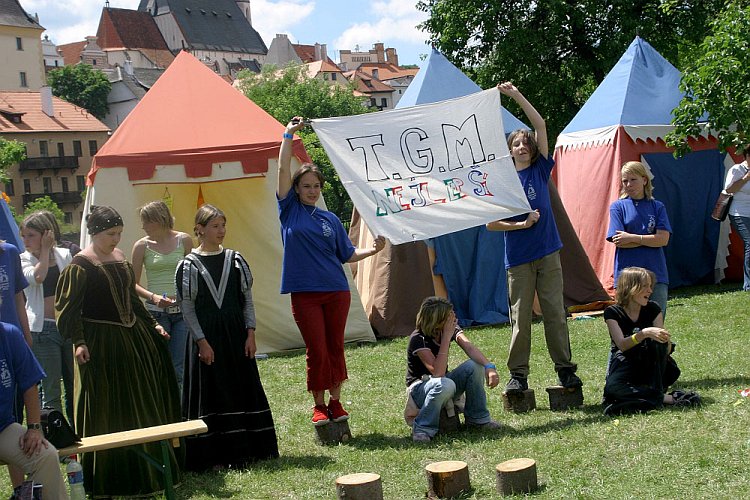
75 480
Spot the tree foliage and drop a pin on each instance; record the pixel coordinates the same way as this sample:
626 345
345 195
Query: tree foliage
11 152
45 203
716 83
83 86
288 92
557 52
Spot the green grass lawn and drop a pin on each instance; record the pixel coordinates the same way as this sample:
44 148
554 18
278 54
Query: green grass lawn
674 453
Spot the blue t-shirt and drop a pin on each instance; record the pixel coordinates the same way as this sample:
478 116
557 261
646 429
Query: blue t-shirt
541 239
639 217
12 281
315 246
18 368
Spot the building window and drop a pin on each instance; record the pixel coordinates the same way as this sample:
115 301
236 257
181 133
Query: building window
333 76
383 102
68 218
10 190
92 148
77 149
43 149
26 186
81 182
47 183
22 75
19 43
373 102
93 62
60 149
64 181
325 76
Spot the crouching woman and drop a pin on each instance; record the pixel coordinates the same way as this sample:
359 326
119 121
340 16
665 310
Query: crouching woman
642 368
430 383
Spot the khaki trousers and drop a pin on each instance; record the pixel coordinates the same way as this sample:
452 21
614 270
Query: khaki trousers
543 276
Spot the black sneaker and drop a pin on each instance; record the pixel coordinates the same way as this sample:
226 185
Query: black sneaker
516 385
568 378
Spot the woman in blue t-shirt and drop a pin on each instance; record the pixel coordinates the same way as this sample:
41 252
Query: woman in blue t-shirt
315 246
639 228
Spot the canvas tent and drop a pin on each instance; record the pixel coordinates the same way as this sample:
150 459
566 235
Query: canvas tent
626 118
194 138
394 282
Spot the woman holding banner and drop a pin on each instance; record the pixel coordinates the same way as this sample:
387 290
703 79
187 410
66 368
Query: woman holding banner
315 246
532 255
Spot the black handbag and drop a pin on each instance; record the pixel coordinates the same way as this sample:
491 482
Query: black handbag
721 209
56 429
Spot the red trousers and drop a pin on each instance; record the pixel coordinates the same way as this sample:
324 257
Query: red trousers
321 318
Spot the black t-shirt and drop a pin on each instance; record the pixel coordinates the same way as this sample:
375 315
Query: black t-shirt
415 369
645 319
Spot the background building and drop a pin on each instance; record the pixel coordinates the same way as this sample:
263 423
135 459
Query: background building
21 63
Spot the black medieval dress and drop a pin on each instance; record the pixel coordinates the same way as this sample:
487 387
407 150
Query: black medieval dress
128 383
214 290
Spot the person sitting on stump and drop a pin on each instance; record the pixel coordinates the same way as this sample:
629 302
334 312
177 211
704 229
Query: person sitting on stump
430 383
642 367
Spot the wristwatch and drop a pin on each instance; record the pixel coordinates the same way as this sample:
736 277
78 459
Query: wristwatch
36 426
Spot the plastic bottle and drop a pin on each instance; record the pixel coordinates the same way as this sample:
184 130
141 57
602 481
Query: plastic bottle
74 472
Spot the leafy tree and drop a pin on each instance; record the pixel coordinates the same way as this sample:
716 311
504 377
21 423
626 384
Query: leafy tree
557 52
83 86
45 203
11 152
717 83
288 92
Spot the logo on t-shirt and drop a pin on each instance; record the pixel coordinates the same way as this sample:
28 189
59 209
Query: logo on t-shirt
5 379
327 229
531 192
651 224
4 279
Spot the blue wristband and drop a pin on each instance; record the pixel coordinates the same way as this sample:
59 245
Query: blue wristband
288 135
490 365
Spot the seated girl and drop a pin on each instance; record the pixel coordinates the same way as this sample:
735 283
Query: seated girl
431 384
642 368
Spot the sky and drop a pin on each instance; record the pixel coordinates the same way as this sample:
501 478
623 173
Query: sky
341 24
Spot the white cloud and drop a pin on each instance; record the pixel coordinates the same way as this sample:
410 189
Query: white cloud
270 18
398 23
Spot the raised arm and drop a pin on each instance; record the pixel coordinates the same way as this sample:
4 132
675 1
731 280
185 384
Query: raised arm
284 182
537 122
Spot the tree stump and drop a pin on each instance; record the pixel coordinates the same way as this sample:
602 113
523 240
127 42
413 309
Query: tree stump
449 420
447 479
516 476
519 402
360 486
561 398
333 432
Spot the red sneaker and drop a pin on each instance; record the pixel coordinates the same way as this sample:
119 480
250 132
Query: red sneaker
320 415
336 411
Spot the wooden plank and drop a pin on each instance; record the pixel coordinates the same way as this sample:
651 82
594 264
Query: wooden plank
136 436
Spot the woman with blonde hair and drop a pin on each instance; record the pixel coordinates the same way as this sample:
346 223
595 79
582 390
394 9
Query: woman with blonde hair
222 385
158 253
640 229
42 263
430 382
642 367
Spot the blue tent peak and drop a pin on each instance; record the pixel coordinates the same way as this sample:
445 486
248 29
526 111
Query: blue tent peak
641 89
439 80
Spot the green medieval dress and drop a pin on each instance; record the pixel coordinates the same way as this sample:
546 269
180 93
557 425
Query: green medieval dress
128 383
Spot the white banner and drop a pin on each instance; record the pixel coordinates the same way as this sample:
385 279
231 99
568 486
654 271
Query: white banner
428 170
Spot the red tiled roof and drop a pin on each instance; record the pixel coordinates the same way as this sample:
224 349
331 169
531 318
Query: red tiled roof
71 52
316 67
387 71
67 117
307 53
131 29
362 79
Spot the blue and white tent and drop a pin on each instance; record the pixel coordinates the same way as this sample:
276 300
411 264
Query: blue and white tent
626 119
